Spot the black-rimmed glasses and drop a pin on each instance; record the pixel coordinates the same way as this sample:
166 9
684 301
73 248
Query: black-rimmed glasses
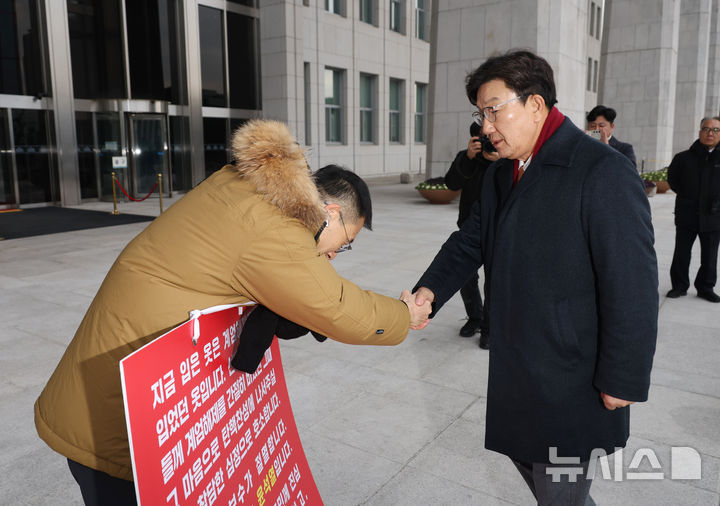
347 246
707 130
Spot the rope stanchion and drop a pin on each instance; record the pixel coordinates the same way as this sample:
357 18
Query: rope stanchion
128 196
159 183
115 211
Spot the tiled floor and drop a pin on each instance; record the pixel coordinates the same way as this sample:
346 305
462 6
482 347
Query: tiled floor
380 426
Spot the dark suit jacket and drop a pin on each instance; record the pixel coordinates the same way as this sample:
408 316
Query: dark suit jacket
694 175
572 285
625 148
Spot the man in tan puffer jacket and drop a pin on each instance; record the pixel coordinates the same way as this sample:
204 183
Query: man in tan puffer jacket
258 230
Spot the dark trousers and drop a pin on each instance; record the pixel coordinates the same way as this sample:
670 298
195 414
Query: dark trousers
101 489
561 493
707 274
470 293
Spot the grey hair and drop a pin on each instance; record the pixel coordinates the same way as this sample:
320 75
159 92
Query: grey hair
708 118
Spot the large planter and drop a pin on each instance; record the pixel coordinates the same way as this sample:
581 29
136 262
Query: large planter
439 196
662 186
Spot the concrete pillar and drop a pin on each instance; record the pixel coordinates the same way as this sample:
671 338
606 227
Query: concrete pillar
712 102
692 71
640 56
278 54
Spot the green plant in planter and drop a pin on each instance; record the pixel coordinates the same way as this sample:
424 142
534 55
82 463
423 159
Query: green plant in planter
435 183
656 175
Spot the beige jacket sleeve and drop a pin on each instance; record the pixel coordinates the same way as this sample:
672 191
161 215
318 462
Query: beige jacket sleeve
283 271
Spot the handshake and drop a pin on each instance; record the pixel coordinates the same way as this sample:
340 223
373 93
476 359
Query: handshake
420 306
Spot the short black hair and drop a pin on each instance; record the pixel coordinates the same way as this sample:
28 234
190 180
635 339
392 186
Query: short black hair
600 110
522 71
346 188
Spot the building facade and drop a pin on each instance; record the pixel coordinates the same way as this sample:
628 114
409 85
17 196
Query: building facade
657 62
140 87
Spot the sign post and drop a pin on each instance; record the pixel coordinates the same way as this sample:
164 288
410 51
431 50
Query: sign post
204 433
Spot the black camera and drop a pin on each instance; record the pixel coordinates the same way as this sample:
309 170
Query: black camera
476 131
487 145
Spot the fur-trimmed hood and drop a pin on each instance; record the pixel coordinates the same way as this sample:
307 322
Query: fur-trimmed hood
268 156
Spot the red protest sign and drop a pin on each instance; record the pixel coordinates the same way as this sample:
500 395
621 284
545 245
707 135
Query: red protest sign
203 433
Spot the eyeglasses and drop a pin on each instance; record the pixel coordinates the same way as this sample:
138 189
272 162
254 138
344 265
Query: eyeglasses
707 130
490 113
347 246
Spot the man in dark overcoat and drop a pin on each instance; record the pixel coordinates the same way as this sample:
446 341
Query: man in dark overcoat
694 175
564 232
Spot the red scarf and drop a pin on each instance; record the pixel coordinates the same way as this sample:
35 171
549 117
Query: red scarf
552 123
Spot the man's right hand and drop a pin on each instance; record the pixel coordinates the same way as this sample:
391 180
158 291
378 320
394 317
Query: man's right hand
424 296
474 147
419 313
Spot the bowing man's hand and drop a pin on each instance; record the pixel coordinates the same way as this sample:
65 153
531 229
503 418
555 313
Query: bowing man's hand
419 313
612 403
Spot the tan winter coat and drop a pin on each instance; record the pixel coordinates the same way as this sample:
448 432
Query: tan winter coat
244 234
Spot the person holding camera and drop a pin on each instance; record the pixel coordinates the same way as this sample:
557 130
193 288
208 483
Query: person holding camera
466 173
694 175
602 119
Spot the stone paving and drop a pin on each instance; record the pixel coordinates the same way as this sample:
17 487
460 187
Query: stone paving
380 426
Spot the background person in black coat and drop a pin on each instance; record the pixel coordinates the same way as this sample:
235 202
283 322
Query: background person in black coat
466 173
694 175
564 232
603 118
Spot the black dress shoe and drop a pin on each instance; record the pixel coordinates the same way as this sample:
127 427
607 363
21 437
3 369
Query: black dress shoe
484 341
709 295
470 328
675 293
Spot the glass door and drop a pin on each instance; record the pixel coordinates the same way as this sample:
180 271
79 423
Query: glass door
148 152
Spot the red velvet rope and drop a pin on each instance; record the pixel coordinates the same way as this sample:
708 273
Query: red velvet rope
136 200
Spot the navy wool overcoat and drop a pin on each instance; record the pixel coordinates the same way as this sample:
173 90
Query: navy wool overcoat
572 289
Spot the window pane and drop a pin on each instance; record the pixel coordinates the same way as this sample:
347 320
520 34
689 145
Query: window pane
592 18
332 87
212 57
396 15
333 126
420 90
366 126
215 139
595 75
598 19
86 154
366 11
243 62
96 48
366 89
20 57
109 145
394 127
180 153
7 187
32 156
249 3
155 48
419 128
394 94
588 80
